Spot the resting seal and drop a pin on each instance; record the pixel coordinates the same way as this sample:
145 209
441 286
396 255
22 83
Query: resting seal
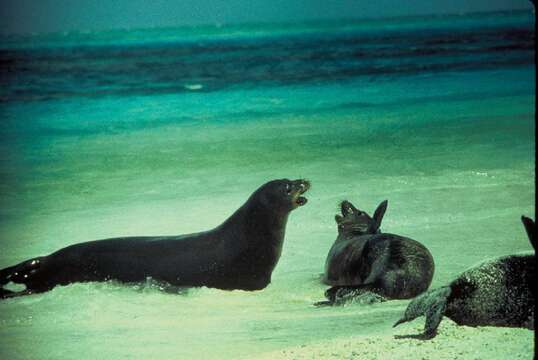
498 292
363 260
241 253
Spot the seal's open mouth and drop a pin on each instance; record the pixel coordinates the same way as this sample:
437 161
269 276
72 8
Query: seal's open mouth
347 208
299 188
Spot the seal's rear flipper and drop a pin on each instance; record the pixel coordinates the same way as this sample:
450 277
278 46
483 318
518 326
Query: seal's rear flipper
379 213
22 272
530 228
6 274
5 293
431 304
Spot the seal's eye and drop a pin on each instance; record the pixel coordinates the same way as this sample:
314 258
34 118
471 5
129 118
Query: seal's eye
288 189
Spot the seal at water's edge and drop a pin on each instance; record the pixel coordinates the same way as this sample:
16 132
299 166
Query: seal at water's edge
363 260
498 292
241 253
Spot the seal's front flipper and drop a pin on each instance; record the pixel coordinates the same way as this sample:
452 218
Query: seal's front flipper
434 315
334 295
362 294
340 295
431 304
330 294
369 297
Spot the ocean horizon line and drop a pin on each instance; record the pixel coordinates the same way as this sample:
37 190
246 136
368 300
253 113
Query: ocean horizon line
232 30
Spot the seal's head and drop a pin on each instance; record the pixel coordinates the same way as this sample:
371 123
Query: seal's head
356 222
284 194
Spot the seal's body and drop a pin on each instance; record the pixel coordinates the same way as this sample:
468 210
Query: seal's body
498 292
363 259
241 253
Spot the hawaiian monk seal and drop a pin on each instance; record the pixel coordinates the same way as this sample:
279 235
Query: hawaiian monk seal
363 260
498 292
241 253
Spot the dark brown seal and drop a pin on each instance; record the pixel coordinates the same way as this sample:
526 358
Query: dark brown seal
363 260
498 292
241 253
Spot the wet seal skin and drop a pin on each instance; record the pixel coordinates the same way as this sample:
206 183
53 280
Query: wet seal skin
241 253
366 265
498 292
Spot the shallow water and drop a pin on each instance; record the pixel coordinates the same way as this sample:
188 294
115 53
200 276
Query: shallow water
95 151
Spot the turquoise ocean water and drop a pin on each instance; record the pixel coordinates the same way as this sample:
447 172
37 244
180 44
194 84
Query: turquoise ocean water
168 131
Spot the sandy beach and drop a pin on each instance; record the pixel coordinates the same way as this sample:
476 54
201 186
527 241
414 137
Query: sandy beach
452 342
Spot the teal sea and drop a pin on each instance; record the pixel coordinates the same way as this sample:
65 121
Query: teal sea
168 131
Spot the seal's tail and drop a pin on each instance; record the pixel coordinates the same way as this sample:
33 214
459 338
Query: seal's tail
22 273
431 304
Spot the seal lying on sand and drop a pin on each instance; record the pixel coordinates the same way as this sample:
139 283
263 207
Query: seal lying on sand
363 260
241 253
498 292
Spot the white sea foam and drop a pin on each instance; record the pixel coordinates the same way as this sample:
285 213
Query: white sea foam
193 86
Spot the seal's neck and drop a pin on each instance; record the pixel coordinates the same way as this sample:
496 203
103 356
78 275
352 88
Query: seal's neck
357 236
256 220
254 234
356 239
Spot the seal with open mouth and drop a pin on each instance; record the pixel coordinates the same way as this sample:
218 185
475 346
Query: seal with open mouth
365 263
241 253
